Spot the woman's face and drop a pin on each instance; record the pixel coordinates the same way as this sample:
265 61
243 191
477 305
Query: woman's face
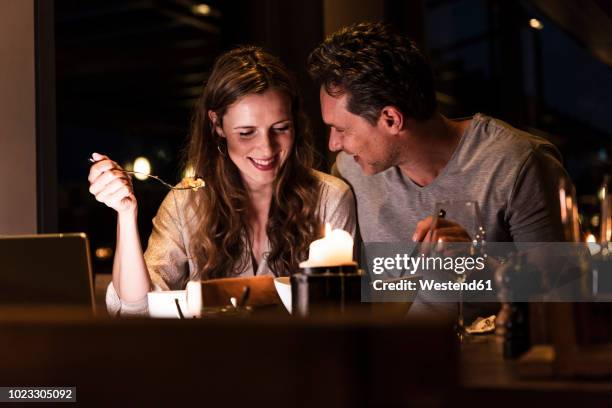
259 133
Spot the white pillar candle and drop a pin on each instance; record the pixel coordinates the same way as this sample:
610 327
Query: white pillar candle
335 248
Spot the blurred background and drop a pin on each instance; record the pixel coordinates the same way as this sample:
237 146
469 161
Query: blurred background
127 74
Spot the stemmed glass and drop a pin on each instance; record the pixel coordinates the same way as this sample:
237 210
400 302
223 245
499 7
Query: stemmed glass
467 214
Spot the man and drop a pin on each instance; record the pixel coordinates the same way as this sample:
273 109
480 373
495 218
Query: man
401 156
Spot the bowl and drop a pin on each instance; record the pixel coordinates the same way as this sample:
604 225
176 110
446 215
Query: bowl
283 288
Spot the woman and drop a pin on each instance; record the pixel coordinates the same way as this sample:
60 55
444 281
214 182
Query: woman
262 204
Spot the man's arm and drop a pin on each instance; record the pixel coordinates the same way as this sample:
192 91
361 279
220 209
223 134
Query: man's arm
533 213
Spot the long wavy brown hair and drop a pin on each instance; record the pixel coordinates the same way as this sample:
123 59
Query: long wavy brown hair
221 243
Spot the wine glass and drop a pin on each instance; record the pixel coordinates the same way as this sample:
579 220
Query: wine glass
466 213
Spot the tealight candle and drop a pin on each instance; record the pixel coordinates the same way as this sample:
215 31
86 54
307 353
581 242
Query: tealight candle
335 248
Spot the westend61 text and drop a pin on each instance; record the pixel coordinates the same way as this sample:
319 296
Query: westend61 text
428 285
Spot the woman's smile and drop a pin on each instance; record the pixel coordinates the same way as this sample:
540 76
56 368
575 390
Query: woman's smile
265 164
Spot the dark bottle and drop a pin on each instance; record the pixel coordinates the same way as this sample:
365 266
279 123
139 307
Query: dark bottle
516 314
516 337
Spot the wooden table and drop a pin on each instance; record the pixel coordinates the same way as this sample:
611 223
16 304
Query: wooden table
487 378
270 359
263 360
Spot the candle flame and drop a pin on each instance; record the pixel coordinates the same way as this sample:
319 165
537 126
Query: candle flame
327 229
591 238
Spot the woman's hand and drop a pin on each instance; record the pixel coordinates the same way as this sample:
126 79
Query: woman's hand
110 185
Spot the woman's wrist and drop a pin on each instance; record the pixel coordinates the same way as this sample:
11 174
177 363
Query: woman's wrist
128 216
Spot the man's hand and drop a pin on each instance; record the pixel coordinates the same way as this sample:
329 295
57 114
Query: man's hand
445 231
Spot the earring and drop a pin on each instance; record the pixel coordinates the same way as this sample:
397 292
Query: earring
223 153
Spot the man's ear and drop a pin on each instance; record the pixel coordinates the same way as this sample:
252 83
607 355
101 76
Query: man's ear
214 119
392 119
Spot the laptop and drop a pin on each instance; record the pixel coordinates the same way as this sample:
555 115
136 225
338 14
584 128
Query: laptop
46 269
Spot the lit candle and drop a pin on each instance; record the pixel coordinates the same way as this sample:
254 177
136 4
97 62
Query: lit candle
335 248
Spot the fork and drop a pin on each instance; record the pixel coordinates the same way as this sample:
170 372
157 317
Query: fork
170 186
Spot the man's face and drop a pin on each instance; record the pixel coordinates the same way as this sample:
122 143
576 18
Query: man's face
369 145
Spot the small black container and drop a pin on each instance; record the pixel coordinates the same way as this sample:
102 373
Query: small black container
325 289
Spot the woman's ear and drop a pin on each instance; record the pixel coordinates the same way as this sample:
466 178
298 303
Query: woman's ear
214 119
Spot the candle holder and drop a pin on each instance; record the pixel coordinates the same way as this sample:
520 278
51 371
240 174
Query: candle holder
325 289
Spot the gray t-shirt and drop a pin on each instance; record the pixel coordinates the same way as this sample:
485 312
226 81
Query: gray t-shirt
511 174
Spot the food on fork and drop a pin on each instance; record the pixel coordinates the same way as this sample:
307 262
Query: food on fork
195 183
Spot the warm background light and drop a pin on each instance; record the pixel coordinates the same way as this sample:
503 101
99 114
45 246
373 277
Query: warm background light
201 9
104 253
142 165
536 24
188 172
